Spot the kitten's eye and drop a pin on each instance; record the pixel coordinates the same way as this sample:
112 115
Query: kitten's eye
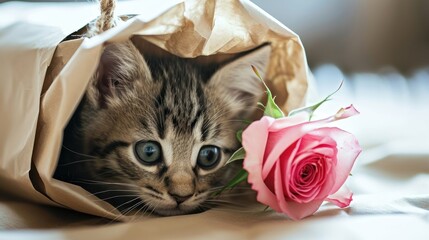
208 157
148 153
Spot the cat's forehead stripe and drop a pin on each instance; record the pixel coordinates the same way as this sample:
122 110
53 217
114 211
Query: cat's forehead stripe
205 127
159 103
180 103
144 123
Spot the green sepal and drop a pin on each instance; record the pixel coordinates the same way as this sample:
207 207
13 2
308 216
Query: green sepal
237 155
271 108
239 178
311 109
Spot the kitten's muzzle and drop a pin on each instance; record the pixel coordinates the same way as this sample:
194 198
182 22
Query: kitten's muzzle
179 199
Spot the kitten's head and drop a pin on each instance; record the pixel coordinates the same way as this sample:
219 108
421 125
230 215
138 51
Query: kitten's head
162 130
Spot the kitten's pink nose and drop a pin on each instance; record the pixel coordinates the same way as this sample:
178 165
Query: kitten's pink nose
180 199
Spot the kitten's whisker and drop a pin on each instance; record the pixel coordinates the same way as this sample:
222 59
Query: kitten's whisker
148 206
117 196
89 181
109 190
78 161
108 173
122 212
78 153
126 210
136 216
153 209
134 199
130 209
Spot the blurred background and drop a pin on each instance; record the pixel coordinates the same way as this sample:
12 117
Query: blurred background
357 35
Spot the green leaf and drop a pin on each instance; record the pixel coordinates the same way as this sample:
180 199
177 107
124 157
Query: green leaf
239 135
237 155
240 177
311 109
271 109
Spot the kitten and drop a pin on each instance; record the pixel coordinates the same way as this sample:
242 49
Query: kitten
153 134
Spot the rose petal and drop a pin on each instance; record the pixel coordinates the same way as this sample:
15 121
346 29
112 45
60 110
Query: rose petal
297 210
290 152
293 209
278 186
309 142
282 139
282 123
346 112
327 151
319 188
254 139
282 134
348 150
342 197
285 166
301 156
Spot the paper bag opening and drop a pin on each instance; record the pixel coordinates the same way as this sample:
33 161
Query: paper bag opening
208 31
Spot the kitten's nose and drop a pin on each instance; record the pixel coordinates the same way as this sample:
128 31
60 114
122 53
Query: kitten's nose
180 199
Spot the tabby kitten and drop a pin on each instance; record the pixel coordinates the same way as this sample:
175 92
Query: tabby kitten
153 134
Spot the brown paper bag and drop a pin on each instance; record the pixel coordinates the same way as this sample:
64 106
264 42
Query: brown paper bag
40 94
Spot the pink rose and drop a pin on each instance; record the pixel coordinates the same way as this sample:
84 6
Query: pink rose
295 165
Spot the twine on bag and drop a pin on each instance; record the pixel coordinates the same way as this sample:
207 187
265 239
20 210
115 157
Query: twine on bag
106 20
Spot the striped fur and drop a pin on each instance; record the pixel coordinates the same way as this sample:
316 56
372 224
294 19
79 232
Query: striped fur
171 101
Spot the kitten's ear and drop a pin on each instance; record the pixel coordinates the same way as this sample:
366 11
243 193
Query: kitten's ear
122 68
237 84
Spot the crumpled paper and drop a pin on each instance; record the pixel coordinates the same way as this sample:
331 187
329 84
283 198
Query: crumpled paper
43 79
